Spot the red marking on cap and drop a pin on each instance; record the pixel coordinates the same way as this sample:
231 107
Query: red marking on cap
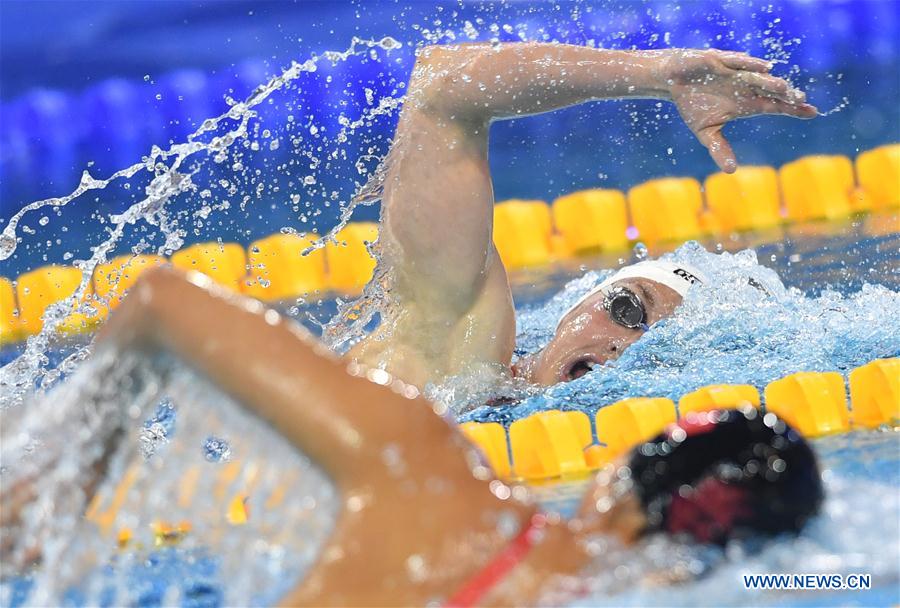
696 425
711 509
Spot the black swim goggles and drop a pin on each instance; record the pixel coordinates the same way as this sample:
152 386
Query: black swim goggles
625 308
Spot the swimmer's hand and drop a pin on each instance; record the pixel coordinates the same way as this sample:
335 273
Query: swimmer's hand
713 87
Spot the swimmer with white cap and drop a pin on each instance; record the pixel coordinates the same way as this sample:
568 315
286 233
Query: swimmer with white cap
609 318
451 312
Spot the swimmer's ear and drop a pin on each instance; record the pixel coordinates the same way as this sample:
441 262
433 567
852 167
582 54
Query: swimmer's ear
719 148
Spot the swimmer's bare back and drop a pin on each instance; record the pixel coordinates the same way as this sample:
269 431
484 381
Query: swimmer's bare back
420 516
453 309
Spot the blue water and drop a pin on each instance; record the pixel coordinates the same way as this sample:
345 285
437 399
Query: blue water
834 309
93 86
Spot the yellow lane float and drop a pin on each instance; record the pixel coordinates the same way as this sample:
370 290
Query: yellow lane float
113 279
875 393
522 233
878 172
278 270
592 220
718 396
225 263
744 200
666 209
38 289
816 187
549 444
814 403
350 265
491 440
627 423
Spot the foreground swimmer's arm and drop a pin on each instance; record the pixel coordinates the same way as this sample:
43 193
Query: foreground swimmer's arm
404 474
454 309
422 524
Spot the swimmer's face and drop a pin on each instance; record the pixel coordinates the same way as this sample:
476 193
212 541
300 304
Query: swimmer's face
588 336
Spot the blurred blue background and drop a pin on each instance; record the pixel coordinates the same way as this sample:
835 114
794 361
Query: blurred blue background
93 85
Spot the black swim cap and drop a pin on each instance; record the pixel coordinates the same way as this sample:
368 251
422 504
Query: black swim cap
727 474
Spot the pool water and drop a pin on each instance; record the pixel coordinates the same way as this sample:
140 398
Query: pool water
218 509
847 309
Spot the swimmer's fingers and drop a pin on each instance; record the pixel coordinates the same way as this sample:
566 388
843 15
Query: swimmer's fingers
743 61
719 148
766 85
772 86
768 105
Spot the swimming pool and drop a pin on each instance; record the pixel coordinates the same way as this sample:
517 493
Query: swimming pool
195 513
196 549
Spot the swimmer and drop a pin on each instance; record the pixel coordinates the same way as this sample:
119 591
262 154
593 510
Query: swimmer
456 535
442 530
450 311
452 314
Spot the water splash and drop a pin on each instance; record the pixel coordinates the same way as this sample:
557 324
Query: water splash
169 180
860 474
742 327
159 527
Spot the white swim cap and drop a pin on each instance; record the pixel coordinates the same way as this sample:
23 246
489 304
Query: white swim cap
677 276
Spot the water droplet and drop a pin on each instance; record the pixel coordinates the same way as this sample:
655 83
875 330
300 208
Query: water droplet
216 449
640 251
158 429
416 568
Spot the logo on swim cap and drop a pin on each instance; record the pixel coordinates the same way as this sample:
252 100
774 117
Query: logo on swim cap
661 271
687 276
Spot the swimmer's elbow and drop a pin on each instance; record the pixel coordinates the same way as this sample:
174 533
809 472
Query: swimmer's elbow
436 85
431 75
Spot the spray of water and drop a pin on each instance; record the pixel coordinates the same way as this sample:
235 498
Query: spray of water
169 181
742 327
173 477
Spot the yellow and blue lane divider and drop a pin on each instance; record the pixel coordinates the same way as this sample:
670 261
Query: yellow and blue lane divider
554 445
527 233
561 444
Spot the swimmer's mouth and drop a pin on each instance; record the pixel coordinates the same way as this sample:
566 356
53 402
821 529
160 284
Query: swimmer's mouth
579 368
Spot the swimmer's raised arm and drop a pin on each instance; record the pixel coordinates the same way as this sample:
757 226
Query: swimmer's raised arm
454 308
709 87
